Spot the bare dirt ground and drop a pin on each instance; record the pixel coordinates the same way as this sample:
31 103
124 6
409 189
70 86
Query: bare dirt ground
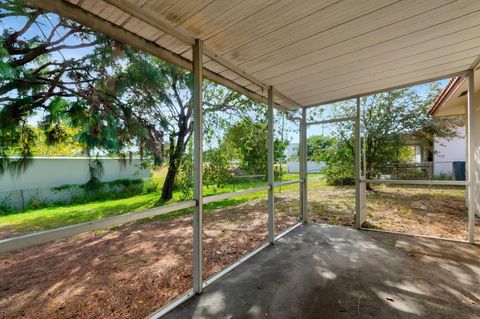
132 270
420 211
129 271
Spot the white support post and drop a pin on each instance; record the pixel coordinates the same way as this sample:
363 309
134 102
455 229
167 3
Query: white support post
303 165
270 164
358 147
197 165
473 158
467 143
364 145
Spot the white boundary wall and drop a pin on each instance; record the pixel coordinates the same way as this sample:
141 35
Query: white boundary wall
45 173
312 167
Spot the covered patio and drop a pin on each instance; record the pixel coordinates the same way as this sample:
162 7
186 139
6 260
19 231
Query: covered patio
293 55
322 271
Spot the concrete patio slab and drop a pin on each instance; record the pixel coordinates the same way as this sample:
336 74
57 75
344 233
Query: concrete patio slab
323 271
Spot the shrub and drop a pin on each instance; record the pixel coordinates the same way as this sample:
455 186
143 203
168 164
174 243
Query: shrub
217 168
185 178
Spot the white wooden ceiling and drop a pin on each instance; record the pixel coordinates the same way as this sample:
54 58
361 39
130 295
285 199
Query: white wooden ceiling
315 51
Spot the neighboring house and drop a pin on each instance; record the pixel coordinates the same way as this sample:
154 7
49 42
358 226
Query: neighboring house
442 153
452 101
422 153
421 150
449 151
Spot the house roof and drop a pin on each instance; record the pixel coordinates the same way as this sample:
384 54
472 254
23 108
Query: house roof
447 93
311 51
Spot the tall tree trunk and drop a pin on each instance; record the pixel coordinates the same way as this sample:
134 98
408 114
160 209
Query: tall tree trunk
168 185
176 153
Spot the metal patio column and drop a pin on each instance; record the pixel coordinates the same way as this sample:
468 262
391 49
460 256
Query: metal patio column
303 165
270 164
473 170
358 159
197 165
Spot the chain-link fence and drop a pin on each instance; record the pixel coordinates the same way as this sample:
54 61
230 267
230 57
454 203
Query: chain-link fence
453 171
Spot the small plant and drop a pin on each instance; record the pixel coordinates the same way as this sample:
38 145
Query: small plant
95 168
5 208
279 171
217 168
442 177
64 187
36 203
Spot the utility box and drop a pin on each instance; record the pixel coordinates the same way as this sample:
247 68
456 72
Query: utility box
458 169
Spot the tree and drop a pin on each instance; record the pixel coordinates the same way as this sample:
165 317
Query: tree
53 71
249 139
389 120
120 99
67 145
218 166
159 96
317 146
339 159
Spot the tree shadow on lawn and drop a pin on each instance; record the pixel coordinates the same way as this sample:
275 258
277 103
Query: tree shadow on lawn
287 210
134 269
439 213
54 217
332 206
113 273
431 212
126 271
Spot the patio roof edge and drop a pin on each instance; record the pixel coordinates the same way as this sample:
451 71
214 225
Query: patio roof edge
187 38
350 97
71 11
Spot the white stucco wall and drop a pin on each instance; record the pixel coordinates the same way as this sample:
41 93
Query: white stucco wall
43 174
312 167
448 151
47 172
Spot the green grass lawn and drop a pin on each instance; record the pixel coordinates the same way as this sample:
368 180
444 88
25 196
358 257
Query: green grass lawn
53 217
329 204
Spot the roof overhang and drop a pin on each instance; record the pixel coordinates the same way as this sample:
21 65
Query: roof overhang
453 99
311 52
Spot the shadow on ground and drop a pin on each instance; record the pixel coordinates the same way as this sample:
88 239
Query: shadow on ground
323 271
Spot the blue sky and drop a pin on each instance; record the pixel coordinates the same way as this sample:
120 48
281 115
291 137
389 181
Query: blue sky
41 28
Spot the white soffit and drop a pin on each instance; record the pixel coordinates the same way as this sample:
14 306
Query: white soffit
311 51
